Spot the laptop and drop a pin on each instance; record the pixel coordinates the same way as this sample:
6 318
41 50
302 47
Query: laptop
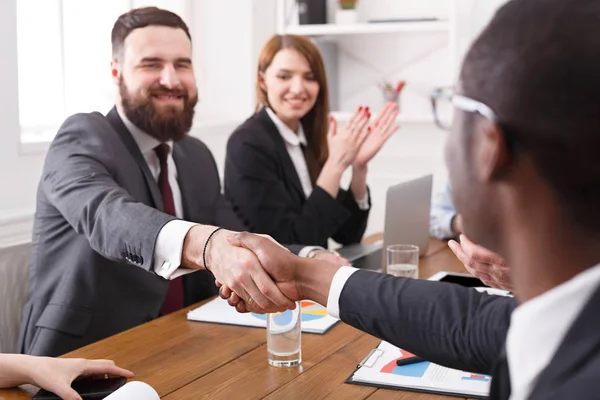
408 205
407 210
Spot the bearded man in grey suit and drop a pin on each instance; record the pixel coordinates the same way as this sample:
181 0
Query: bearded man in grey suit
127 203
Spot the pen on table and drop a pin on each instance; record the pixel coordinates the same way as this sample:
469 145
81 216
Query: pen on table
409 360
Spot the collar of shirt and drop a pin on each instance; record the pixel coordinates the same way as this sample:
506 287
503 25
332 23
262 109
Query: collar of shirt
539 326
291 137
145 142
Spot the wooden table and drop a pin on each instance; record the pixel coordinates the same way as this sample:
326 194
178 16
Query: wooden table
193 360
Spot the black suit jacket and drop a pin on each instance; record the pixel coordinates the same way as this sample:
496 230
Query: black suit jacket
97 219
262 185
461 328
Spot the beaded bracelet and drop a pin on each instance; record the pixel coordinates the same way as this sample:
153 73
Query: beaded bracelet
206 246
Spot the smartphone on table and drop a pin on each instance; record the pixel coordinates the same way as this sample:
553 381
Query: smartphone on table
87 388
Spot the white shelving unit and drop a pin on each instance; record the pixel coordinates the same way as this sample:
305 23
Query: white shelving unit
366 28
343 33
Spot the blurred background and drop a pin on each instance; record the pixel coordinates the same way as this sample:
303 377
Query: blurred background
56 62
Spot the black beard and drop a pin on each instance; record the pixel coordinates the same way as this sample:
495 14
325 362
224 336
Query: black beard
169 123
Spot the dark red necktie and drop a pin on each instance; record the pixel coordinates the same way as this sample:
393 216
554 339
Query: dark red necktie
174 299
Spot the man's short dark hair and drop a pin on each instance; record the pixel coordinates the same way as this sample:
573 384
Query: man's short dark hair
537 65
140 18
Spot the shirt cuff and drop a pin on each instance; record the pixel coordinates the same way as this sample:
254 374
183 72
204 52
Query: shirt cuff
363 203
446 225
335 291
305 251
169 245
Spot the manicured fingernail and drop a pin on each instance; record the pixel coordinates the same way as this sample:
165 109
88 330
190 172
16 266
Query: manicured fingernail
360 108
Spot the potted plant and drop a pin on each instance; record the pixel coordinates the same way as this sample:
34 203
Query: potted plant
348 4
346 13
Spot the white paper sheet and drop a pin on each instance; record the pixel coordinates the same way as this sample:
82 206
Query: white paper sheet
314 316
134 390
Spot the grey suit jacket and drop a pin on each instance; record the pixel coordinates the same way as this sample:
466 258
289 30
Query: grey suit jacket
464 329
97 219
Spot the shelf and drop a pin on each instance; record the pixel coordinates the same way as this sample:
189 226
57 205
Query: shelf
367 28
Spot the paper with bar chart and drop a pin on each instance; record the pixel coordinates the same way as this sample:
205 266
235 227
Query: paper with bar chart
380 369
314 316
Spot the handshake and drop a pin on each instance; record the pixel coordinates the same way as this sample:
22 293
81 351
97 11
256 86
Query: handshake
257 274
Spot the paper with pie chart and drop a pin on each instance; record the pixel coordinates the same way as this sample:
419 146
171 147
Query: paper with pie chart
314 316
380 369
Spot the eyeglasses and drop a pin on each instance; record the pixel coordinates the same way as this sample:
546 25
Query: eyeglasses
444 101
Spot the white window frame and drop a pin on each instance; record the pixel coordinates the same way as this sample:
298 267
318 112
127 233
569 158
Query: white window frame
36 139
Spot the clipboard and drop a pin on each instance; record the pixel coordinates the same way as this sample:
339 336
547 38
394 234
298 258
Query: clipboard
475 386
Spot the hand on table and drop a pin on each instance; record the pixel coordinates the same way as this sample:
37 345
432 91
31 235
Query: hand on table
57 374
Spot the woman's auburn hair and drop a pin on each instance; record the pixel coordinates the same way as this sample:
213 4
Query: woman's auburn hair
316 121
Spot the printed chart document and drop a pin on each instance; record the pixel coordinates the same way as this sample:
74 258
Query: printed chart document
379 369
314 316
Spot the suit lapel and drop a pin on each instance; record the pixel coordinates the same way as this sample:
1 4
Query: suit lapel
581 343
288 166
116 122
195 182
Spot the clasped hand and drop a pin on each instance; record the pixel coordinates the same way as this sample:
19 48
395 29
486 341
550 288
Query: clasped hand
358 141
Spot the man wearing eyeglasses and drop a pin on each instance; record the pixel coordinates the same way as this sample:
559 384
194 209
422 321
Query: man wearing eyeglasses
524 165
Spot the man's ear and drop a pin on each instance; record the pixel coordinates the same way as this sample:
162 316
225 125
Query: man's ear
491 154
115 70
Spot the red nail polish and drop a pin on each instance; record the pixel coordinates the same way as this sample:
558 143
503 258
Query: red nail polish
360 108
367 109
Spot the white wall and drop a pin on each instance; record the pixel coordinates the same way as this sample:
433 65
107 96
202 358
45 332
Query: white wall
226 48
471 16
420 58
225 52
18 172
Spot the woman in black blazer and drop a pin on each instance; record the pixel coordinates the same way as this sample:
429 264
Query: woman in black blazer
284 164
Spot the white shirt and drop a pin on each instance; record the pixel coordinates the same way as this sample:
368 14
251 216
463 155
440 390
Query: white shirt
169 243
293 141
442 213
537 327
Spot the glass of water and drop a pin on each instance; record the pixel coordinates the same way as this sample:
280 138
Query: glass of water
284 338
403 260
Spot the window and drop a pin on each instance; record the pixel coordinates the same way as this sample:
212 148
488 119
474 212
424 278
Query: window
64 55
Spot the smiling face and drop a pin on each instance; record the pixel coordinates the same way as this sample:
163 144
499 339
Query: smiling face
157 87
290 86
